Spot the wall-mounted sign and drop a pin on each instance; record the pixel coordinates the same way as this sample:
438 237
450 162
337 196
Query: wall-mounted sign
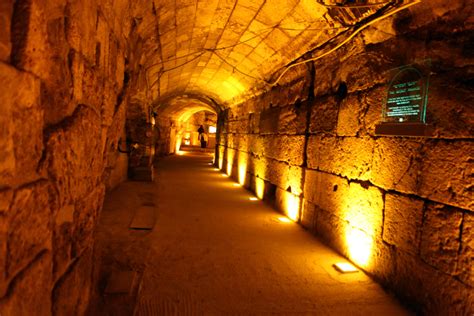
404 109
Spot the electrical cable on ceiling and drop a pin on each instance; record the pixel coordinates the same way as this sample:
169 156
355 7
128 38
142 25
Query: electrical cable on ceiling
357 31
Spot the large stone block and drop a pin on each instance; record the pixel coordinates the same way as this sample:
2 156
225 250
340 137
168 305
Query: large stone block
109 103
466 255
30 46
57 82
382 261
362 70
450 108
362 208
284 176
6 11
269 120
350 157
285 148
29 225
419 284
62 240
331 229
6 196
358 205
446 174
30 292
350 116
309 215
74 162
440 237
324 115
292 119
21 126
374 99
402 222
325 190
396 164
81 28
3 255
288 203
72 291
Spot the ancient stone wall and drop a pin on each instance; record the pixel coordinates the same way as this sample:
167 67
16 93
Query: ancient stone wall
62 66
401 208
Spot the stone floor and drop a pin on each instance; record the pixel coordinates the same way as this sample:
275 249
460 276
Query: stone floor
215 252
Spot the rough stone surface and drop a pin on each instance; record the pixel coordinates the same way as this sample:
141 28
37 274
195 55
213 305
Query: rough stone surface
446 173
34 284
440 238
82 168
350 157
6 10
324 116
72 292
21 125
29 225
466 259
435 291
397 164
309 215
403 219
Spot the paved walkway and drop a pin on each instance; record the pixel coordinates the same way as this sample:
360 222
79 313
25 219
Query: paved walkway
215 252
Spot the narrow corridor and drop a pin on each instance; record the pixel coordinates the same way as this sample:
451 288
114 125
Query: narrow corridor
214 251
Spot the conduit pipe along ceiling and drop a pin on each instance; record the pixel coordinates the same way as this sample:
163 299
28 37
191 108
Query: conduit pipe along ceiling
227 50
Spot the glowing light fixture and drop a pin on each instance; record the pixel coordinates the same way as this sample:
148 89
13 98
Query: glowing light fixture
345 267
236 185
253 198
212 129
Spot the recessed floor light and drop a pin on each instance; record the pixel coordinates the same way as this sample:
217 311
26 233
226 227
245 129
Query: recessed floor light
236 185
253 198
345 267
284 219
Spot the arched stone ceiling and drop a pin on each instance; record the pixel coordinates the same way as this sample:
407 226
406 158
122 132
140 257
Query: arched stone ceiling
227 49
182 107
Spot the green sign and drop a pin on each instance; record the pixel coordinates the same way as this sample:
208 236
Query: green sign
407 94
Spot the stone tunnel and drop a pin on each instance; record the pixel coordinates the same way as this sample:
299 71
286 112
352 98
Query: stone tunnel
352 118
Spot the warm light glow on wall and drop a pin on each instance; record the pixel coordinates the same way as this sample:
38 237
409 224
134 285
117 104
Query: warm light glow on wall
230 161
292 206
178 143
221 157
259 188
242 167
362 211
359 245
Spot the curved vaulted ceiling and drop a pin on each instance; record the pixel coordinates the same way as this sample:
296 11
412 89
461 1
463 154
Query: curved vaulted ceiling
227 49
